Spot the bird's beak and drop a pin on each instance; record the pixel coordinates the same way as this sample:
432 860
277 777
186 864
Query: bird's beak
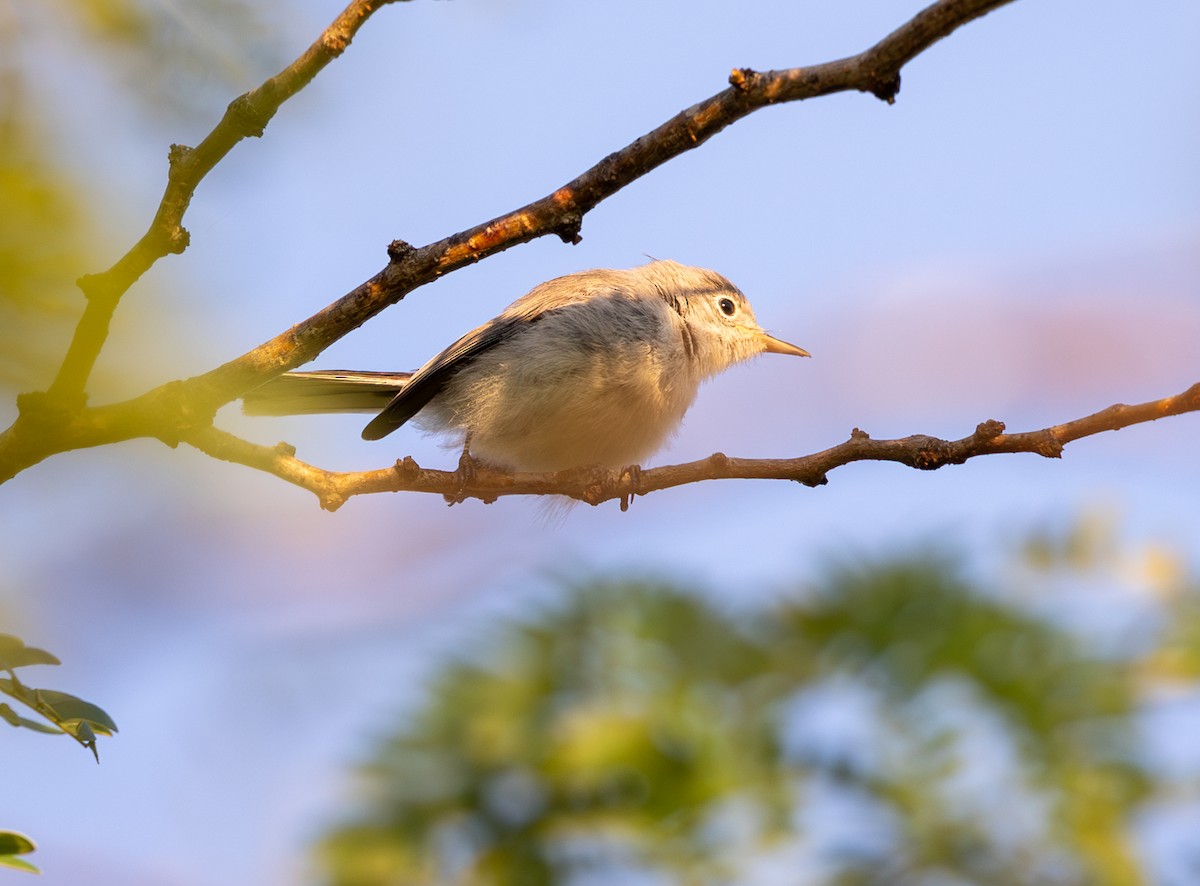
775 346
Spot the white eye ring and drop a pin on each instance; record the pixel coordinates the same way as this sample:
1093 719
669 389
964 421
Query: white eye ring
728 308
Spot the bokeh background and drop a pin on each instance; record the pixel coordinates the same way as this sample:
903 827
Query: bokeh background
1017 238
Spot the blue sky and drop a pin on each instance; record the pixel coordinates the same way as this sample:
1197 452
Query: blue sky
1017 238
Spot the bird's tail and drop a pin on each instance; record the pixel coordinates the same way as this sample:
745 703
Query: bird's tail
330 390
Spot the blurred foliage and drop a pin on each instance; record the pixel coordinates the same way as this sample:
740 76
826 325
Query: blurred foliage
42 251
1092 547
594 729
636 731
185 61
12 847
182 59
80 719
62 713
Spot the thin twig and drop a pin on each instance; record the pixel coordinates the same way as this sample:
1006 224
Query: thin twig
595 485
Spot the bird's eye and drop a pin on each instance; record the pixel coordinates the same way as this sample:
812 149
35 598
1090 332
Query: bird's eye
727 307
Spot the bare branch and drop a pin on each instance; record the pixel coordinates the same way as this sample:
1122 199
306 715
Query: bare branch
596 485
247 115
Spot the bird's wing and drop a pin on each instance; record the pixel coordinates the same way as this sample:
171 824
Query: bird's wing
429 381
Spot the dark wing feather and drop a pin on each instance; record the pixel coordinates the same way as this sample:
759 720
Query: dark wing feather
432 378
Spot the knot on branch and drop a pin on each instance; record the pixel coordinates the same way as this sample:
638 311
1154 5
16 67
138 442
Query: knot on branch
884 88
41 408
569 230
743 79
594 484
598 489
31 403
179 161
249 117
858 434
407 469
1048 445
176 239
930 453
176 414
399 250
335 40
331 501
97 288
989 430
287 450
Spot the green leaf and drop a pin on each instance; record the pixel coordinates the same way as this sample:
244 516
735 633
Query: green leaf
13 843
66 709
11 861
14 719
15 654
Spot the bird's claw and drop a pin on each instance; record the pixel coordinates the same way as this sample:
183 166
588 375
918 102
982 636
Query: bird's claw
629 479
465 474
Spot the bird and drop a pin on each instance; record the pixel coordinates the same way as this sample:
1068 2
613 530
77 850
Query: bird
592 369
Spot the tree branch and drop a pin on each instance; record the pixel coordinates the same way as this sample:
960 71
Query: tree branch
247 115
596 485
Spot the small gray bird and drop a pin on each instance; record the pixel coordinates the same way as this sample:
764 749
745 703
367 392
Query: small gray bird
594 368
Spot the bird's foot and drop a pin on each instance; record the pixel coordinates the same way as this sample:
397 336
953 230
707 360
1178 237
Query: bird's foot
629 482
465 474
